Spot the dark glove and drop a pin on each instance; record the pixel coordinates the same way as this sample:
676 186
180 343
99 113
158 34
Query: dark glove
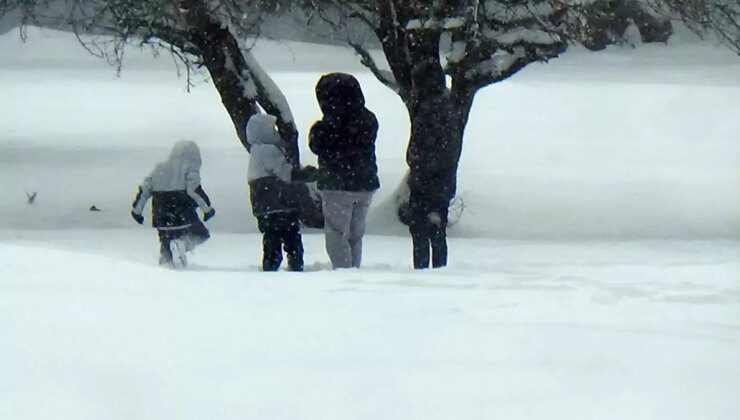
306 174
139 218
210 213
309 173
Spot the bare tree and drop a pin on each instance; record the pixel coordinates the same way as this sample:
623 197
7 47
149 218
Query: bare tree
11 11
7 5
476 43
199 33
718 17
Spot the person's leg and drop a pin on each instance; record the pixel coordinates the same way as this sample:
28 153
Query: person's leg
178 247
292 242
165 255
272 256
360 209
197 233
438 236
419 228
337 208
419 231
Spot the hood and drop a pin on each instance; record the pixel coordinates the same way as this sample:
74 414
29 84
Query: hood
185 153
339 94
261 130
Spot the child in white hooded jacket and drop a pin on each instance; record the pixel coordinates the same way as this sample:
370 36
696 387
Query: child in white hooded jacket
174 186
273 194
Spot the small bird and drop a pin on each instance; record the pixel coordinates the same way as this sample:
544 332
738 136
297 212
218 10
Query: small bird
31 197
93 208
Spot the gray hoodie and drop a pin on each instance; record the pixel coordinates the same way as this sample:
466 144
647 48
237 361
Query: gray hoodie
180 172
269 173
266 156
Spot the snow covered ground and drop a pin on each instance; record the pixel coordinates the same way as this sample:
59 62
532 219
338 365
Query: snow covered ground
92 329
595 272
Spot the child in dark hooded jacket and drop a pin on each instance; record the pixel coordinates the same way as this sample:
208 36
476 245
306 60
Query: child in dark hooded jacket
174 186
273 196
432 157
344 142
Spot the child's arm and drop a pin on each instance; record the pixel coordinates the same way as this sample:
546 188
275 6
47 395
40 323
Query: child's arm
201 192
316 139
308 173
192 183
145 191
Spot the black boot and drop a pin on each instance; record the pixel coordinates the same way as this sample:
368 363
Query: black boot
272 256
438 239
165 255
294 247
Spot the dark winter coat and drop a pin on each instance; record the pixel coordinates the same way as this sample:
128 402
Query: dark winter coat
175 190
270 195
344 139
269 173
433 151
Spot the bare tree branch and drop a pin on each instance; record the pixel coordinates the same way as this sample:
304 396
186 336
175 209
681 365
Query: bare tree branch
384 76
718 17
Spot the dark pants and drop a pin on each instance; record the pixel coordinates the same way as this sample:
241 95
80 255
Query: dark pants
428 228
194 235
281 230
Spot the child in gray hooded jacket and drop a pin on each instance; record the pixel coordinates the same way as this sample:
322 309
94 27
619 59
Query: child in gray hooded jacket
273 194
174 186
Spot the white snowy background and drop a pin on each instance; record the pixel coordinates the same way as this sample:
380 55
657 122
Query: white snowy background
595 272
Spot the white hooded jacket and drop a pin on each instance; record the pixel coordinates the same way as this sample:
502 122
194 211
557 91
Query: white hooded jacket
266 156
180 172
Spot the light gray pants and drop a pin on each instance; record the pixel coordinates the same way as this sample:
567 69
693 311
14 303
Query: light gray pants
344 225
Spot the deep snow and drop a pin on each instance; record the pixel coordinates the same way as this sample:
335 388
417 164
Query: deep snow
581 157
92 329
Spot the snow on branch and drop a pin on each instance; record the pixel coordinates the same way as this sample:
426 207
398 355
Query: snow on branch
504 63
456 51
268 93
249 89
502 11
523 35
718 17
447 24
499 66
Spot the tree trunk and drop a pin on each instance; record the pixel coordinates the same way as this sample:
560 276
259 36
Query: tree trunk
447 156
462 97
240 90
219 55
441 153
243 85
